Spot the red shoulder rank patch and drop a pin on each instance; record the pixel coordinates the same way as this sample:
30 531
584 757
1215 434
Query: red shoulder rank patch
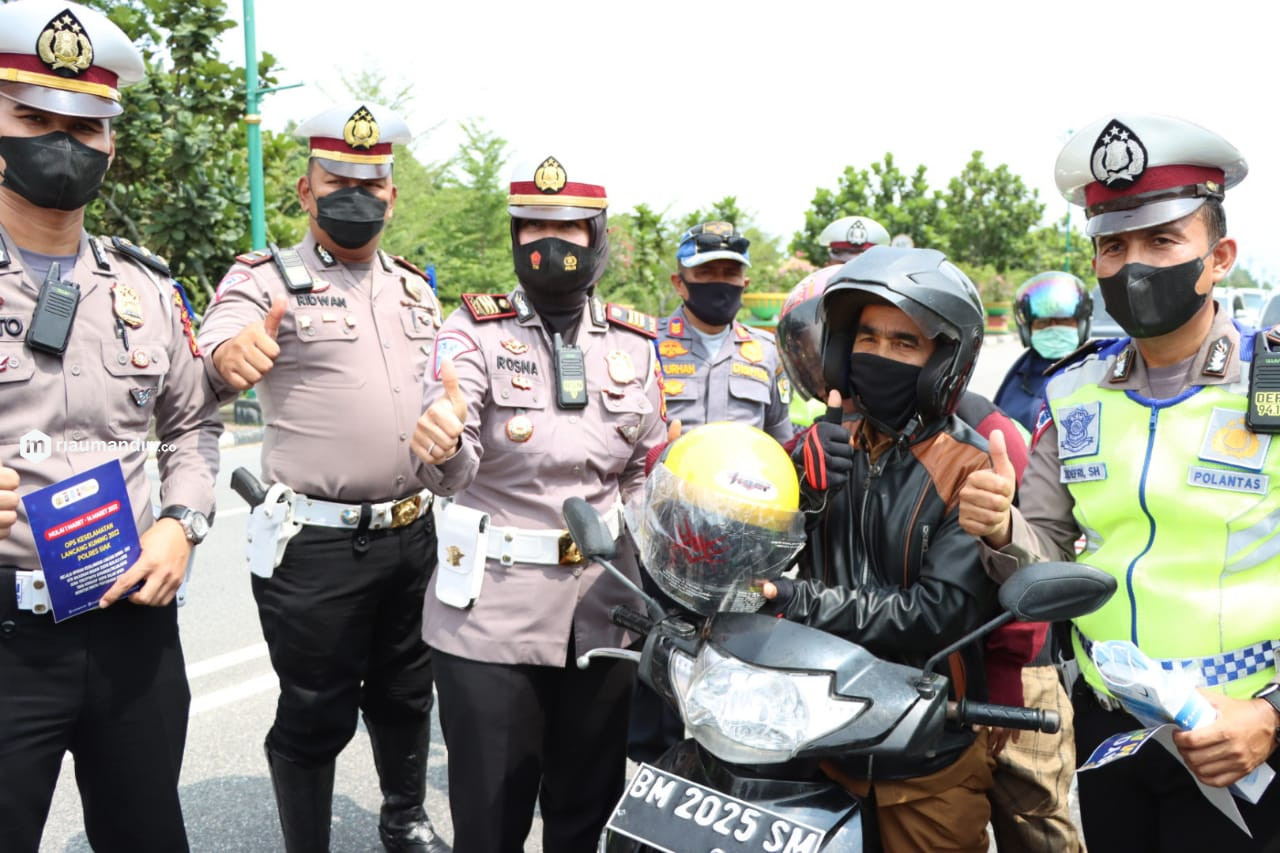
629 318
488 306
184 314
257 256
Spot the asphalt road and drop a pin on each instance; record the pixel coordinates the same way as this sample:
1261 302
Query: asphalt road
226 793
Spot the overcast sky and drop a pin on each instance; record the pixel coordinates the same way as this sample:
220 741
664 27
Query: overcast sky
677 104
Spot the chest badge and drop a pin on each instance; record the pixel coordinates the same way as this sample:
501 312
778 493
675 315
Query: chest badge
621 370
414 288
140 359
126 304
1079 430
752 351
673 387
1229 441
522 383
520 428
511 345
672 349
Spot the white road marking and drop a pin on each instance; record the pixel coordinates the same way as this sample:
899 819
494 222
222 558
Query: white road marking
225 661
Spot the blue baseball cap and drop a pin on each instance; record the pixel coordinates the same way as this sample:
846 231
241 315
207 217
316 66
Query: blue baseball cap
712 241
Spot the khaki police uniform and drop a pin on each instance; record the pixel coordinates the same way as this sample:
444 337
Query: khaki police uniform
104 389
339 406
108 686
506 663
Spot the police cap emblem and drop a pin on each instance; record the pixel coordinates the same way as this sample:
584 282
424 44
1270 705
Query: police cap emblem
64 46
550 177
361 130
1119 158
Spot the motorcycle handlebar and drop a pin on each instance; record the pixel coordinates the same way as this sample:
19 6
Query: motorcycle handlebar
1003 716
625 617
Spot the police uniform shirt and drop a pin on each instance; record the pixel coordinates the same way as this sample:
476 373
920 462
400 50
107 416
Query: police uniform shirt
1046 503
344 394
521 456
743 381
104 389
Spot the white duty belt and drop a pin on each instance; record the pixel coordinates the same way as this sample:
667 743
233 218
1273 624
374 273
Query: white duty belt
31 591
388 514
510 545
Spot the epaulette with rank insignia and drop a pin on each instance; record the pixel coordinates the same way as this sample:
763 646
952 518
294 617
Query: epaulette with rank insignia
488 306
629 318
252 259
144 256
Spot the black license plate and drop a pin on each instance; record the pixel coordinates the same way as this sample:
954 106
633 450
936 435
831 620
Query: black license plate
673 814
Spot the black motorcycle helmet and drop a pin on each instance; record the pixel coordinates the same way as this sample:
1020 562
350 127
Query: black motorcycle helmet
938 298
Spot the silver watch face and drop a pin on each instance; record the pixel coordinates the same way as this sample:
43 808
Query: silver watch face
197 525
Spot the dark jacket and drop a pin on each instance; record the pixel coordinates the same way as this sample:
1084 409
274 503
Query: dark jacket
1021 392
888 566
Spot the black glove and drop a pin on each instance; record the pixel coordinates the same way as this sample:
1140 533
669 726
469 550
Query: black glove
777 606
825 456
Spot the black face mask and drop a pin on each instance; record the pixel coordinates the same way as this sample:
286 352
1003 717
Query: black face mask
555 273
352 216
55 170
886 389
715 303
1151 301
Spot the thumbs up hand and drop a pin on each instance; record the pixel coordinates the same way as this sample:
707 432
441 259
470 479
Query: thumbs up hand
987 496
437 435
250 355
824 455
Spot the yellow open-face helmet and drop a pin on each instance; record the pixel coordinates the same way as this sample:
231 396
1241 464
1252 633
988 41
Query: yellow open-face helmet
720 514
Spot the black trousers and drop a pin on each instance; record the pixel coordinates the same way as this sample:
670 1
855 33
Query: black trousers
1150 802
110 687
344 629
520 733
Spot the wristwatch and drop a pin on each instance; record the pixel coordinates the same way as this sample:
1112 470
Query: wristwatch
1271 694
193 522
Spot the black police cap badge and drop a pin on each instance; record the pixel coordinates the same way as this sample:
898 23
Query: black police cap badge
64 45
1119 158
550 176
361 130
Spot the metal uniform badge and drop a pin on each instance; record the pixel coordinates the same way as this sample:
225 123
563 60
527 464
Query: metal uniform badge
323 254
520 428
597 313
64 46
752 351
1215 363
1119 158
522 383
1229 441
514 346
621 370
673 387
361 130
550 176
139 359
142 396
127 305
676 327
1079 430
521 305
1124 363
414 288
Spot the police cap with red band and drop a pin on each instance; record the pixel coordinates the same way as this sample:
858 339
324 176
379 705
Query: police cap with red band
547 188
354 139
65 58
1134 170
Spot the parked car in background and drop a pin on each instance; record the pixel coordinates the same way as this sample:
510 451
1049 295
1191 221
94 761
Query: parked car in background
1270 315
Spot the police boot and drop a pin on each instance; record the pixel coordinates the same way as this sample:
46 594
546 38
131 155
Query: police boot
400 754
304 798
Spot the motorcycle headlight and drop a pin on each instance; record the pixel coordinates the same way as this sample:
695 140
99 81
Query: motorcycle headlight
746 714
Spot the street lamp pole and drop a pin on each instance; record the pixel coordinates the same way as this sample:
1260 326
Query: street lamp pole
253 128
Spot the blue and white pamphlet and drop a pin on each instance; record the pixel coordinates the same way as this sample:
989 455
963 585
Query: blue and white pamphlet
85 536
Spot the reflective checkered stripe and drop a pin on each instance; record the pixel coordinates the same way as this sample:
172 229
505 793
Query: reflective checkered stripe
1192 541
1220 669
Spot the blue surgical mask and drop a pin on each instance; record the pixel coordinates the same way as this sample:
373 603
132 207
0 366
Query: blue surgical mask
1055 342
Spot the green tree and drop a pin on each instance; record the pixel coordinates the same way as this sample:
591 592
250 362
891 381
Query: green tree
179 181
640 264
989 215
902 203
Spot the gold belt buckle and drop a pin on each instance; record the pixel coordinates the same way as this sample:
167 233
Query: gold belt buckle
570 555
406 511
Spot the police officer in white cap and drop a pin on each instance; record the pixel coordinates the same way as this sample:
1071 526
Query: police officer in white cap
850 236
1146 448
335 334
109 685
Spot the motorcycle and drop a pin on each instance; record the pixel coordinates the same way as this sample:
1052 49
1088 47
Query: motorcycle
766 700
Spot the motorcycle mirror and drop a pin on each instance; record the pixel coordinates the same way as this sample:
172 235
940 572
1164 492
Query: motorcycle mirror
1051 592
588 530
